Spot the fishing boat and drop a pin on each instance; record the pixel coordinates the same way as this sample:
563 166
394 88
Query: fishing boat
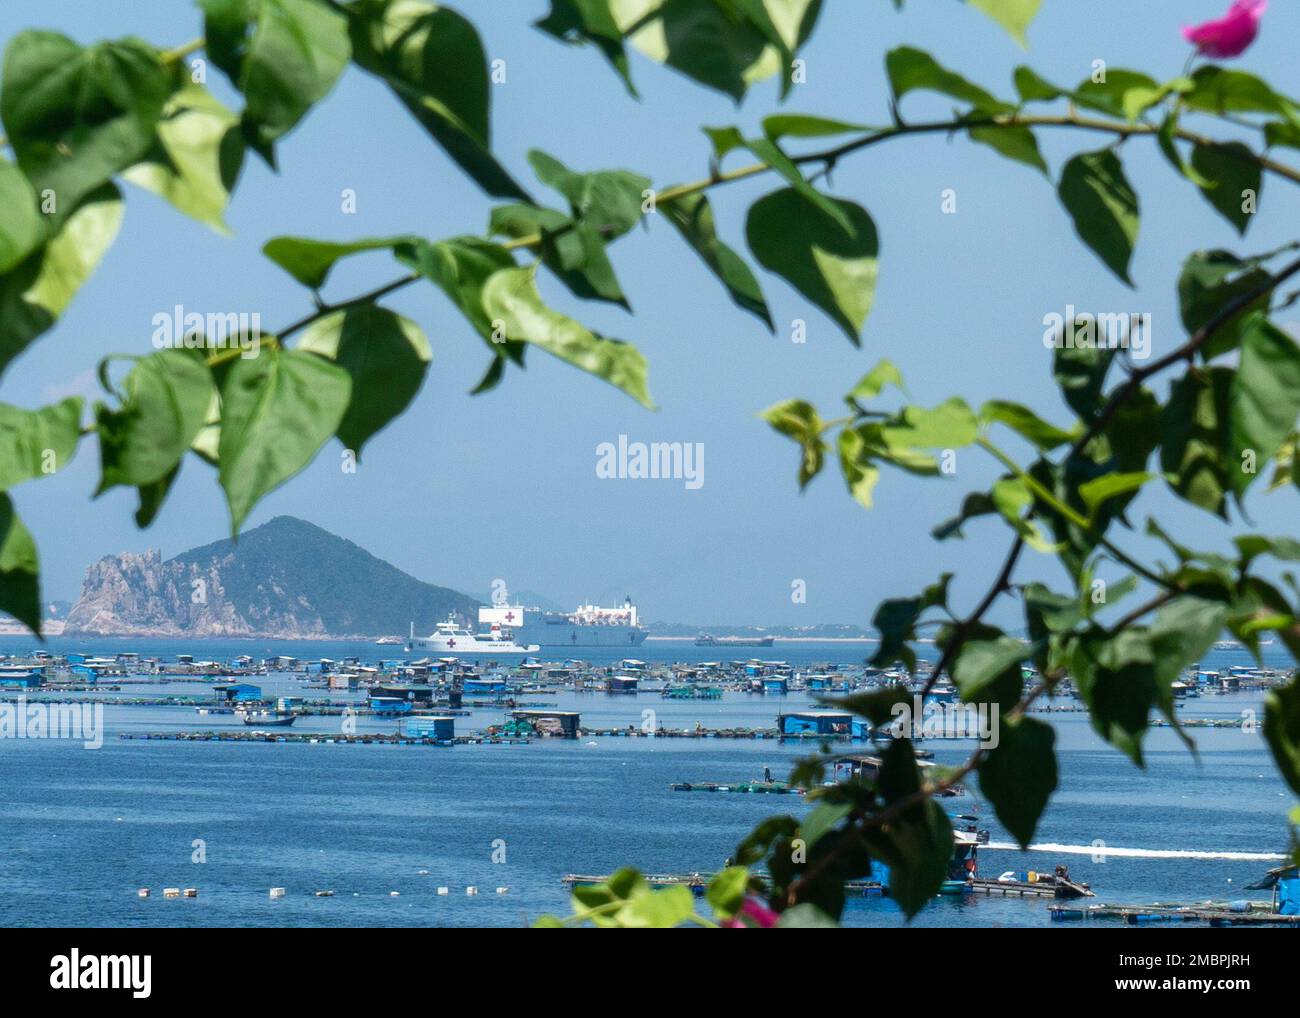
267 718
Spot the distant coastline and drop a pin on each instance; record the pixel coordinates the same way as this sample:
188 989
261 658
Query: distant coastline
777 639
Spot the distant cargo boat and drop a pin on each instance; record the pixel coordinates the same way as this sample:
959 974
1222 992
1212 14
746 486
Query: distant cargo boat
709 640
588 625
389 641
268 718
454 639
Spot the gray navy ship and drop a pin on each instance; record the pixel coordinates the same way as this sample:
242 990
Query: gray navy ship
588 625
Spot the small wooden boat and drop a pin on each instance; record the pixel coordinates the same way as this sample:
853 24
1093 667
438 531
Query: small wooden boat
267 718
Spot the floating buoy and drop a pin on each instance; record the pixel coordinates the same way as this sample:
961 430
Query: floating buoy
444 890
143 892
502 890
191 892
171 892
277 892
394 894
324 894
471 890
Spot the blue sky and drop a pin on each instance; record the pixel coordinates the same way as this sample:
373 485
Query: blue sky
463 490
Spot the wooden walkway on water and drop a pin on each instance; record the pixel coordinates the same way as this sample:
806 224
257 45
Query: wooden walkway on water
1209 914
254 735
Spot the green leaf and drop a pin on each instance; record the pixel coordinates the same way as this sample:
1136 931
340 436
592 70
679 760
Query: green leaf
579 21
1218 90
860 473
22 230
835 270
910 69
802 125
726 892
1277 132
386 356
974 505
662 908
1116 677
873 383
785 167
917 849
1027 424
573 250
726 47
1212 279
35 293
1167 139
1251 546
1119 94
1016 143
152 497
1013 15
76 116
511 296
988 671
460 267
1233 180
1183 632
309 261
283 55
1195 438
196 159
1265 396
1080 371
20 571
1102 489
37 442
896 620
877 706
610 200
1104 207
799 420
433 60
1282 731
1019 775
1012 498
165 403
1032 87
950 425
278 409
692 215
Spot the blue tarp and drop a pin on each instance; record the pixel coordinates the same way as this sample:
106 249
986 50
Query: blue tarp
1288 895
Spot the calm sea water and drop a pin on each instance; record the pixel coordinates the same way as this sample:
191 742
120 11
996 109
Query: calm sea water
83 829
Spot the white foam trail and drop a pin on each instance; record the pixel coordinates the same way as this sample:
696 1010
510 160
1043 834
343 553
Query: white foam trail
1111 851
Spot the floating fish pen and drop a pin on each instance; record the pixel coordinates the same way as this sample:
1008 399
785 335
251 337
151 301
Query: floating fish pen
308 738
691 693
698 883
743 787
1238 913
1237 723
991 887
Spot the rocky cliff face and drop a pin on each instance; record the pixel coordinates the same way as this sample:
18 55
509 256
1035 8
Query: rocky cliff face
286 579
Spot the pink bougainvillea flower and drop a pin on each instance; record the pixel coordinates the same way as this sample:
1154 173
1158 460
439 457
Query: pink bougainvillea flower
1231 34
752 915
